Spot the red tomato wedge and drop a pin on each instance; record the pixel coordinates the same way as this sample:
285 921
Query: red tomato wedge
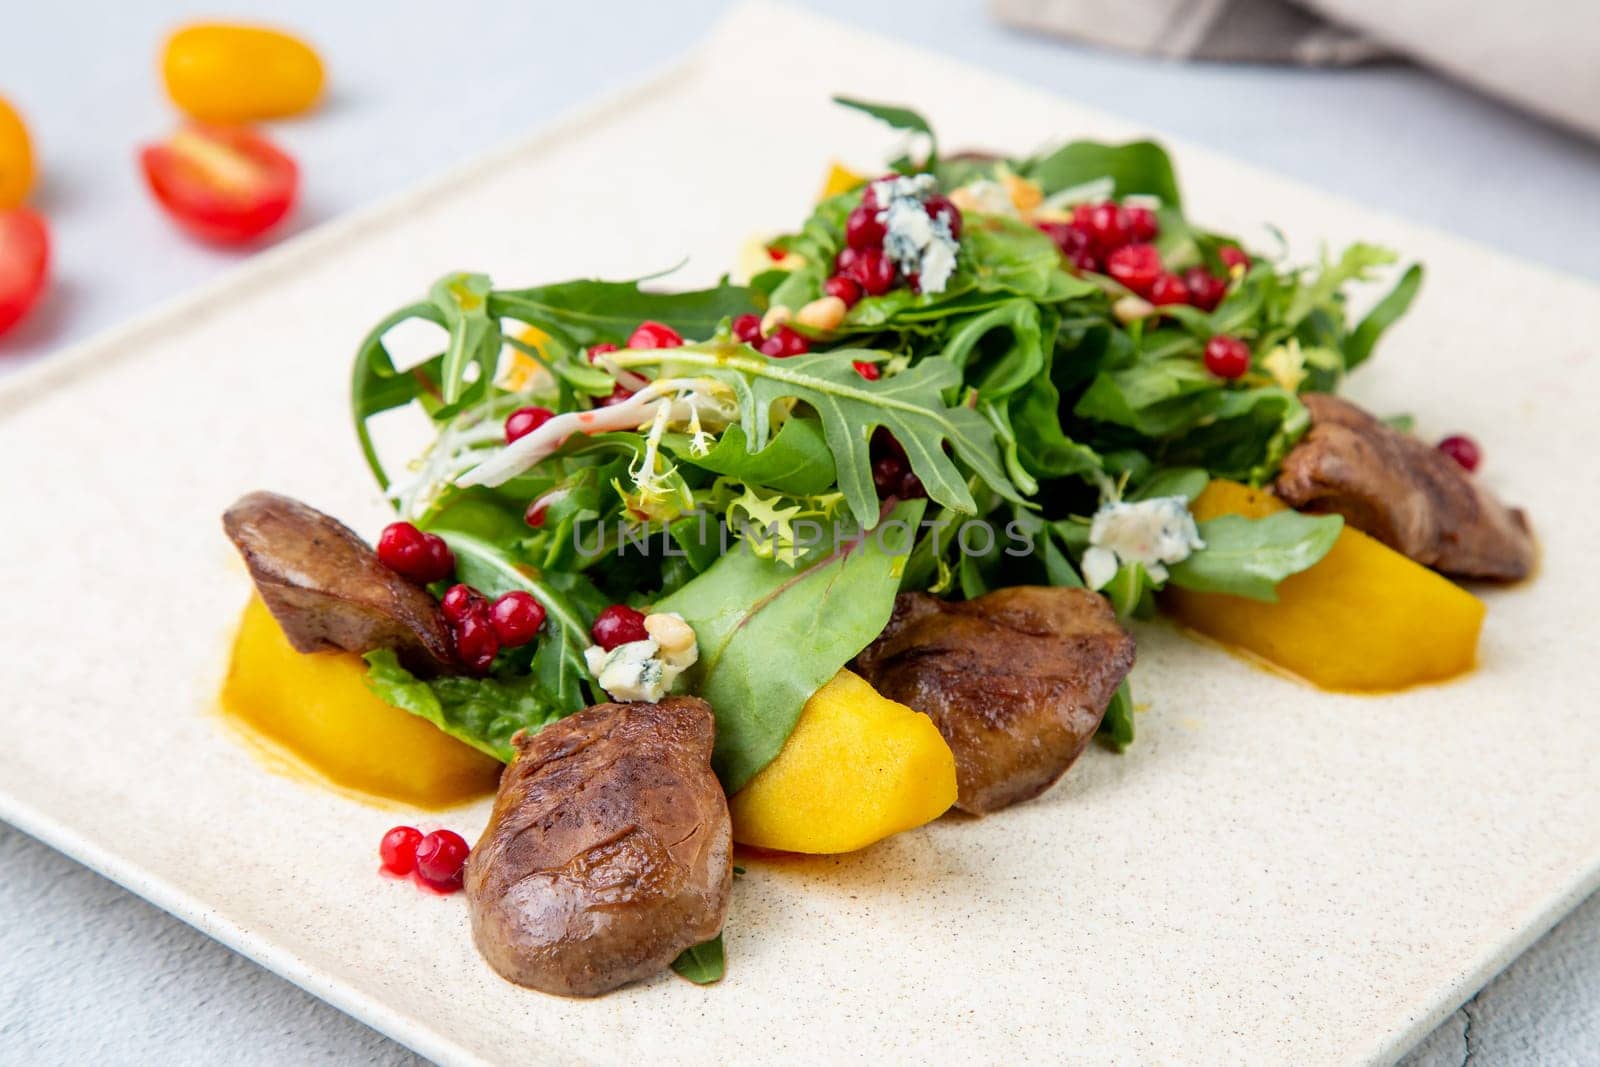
24 264
224 184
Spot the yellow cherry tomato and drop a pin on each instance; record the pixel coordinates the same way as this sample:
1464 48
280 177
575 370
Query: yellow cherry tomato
16 158
220 72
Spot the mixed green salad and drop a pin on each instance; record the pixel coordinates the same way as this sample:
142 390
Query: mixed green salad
963 426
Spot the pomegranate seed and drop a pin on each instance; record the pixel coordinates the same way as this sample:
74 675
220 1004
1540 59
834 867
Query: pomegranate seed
862 229
422 557
1137 266
869 371
940 206
747 328
1206 290
883 442
523 421
1107 225
600 349
875 271
534 515
398 850
887 472
476 643
516 618
910 487
1142 223
1084 259
1062 233
651 334
441 856
1227 357
1463 449
785 342
1168 289
1233 256
618 625
846 289
459 601
619 393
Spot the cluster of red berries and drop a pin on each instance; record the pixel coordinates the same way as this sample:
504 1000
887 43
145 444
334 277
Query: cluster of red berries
1113 239
437 860
862 268
781 343
648 334
422 557
891 470
480 629
618 625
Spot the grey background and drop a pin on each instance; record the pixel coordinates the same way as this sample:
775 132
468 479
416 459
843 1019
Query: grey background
89 973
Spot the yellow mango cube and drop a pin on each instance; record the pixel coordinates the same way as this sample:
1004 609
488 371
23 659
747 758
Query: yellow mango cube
1364 618
840 179
857 768
316 706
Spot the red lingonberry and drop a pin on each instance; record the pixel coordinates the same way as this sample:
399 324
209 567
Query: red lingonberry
1137 266
441 858
846 289
422 557
397 852
747 328
1463 449
1168 288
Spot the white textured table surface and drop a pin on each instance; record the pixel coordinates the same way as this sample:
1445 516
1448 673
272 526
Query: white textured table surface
89 973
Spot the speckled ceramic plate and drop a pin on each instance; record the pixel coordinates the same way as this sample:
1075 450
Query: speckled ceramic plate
1271 873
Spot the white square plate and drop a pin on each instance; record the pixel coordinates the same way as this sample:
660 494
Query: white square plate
1271 873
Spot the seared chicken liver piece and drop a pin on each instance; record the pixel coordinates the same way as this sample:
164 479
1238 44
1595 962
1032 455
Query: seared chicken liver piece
1017 681
327 589
1410 496
609 851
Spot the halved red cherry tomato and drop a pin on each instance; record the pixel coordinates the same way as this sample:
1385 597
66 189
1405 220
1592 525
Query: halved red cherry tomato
221 183
24 264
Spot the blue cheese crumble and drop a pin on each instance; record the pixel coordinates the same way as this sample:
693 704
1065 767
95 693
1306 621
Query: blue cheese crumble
917 243
645 670
1152 533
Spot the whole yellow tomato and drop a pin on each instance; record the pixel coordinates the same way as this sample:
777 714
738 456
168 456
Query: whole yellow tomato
219 72
16 158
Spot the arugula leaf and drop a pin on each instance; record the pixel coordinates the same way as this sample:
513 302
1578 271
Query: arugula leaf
483 712
998 370
1383 315
586 312
1249 557
702 964
910 405
463 302
819 613
1137 168
796 461
897 118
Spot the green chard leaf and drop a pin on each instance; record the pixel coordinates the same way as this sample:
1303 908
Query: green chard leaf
820 613
1249 557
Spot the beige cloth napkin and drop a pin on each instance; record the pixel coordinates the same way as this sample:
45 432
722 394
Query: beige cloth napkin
1540 55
